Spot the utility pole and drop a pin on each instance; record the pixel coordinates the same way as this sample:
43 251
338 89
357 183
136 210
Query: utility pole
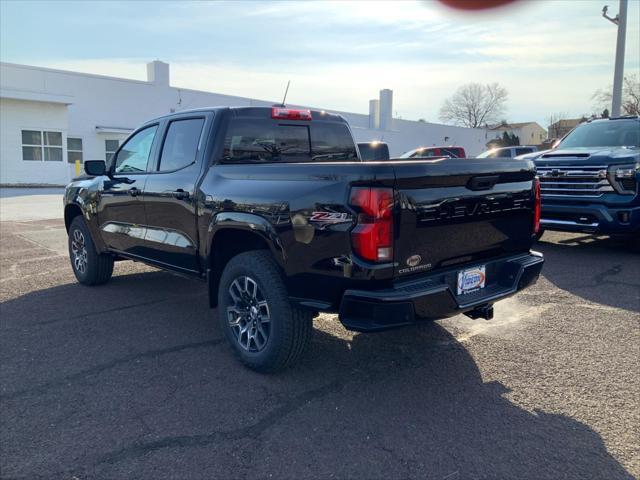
620 21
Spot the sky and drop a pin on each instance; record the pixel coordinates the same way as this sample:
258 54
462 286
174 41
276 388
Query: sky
551 55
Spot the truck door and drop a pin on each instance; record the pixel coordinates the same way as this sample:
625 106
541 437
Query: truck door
170 198
121 212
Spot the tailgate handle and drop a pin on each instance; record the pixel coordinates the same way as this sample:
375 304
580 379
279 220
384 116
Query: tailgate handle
484 182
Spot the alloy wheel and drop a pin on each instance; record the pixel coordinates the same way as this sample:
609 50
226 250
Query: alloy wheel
79 251
248 315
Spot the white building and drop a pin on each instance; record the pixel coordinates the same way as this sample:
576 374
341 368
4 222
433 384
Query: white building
49 118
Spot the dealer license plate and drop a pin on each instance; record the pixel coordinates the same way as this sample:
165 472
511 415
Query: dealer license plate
471 279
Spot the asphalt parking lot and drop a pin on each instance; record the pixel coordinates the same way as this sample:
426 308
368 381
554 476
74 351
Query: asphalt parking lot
133 380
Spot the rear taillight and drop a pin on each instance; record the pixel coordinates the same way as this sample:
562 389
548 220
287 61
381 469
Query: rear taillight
537 208
290 114
372 237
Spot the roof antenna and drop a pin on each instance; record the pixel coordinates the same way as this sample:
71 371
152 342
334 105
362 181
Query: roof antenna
285 94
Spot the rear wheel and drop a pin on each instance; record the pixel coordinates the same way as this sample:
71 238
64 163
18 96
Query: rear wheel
264 330
89 267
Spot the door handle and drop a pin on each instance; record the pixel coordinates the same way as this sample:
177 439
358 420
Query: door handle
133 192
180 194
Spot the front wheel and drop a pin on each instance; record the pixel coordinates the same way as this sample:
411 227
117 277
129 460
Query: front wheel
89 267
264 330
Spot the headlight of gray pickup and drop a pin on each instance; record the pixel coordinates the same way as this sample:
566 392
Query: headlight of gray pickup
624 177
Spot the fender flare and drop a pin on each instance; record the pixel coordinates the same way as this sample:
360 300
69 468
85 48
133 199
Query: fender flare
248 222
85 199
245 222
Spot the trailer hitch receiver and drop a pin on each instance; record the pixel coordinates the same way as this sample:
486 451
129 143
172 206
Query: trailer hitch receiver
483 311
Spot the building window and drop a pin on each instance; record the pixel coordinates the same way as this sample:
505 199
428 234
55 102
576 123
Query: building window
38 145
110 147
74 149
32 145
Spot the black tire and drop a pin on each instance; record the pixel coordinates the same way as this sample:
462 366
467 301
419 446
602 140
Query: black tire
539 234
89 267
288 329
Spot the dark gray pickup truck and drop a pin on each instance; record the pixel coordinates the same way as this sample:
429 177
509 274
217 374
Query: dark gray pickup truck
275 210
590 182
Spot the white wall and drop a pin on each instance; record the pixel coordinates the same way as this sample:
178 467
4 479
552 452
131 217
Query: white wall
18 115
100 101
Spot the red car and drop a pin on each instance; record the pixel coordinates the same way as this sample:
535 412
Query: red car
427 152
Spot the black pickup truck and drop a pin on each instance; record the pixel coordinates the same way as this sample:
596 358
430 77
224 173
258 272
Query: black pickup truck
276 211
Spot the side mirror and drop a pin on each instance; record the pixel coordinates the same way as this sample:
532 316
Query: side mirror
95 168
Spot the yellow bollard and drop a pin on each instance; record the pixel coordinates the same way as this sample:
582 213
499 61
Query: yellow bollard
77 168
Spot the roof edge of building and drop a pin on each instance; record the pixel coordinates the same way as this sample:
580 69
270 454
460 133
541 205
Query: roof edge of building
73 72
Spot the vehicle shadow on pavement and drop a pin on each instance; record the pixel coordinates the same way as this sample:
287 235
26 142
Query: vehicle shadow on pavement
146 389
599 269
420 396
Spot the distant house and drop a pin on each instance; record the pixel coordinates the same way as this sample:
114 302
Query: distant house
529 133
560 128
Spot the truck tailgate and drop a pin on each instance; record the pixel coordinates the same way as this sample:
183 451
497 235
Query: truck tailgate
457 211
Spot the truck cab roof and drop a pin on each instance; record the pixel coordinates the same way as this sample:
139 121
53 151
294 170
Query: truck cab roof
255 112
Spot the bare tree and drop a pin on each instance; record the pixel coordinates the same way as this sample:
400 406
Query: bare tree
630 96
631 91
475 105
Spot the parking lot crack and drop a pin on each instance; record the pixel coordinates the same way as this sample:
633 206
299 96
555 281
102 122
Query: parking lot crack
251 431
102 312
98 369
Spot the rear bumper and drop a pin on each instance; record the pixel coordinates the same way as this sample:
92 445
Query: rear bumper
591 218
434 296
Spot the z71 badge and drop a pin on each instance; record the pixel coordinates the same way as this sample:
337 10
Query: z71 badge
329 218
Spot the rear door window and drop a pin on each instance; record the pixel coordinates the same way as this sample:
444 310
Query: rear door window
181 144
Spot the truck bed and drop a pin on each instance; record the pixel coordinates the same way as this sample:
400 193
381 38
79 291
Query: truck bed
449 212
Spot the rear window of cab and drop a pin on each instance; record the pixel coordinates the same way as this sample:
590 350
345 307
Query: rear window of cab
273 141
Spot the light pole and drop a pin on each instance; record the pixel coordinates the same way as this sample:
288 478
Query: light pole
621 21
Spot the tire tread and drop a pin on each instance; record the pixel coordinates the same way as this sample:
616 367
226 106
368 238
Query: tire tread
100 265
298 323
